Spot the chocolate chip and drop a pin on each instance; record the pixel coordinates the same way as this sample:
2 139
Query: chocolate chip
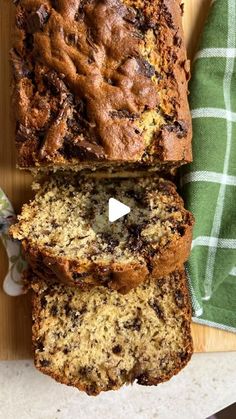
21 19
171 209
80 14
83 150
37 19
55 83
177 41
136 245
179 128
135 229
181 230
40 345
117 349
183 356
134 324
29 42
19 66
145 67
143 22
111 242
67 309
43 302
150 266
123 373
111 383
54 224
54 310
92 389
65 351
179 298
136 242
54 4
90 150
44 362
85 370
158 310
168 17
91 58
123 113
143 379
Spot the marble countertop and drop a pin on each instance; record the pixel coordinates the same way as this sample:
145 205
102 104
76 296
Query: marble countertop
205 386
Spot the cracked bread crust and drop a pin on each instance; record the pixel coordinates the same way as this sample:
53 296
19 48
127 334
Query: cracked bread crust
100 83
100 340
66 235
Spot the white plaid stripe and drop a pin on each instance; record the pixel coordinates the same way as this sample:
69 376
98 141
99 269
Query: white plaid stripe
197 309
229 69
216 52
233 271
214 242
213 113
204 176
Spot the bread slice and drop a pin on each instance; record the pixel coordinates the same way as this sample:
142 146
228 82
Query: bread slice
66 234
100 84
99 340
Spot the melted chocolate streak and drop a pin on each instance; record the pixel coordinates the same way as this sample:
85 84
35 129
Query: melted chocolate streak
87 53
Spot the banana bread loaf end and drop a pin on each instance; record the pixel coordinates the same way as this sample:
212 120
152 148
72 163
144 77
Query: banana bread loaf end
100 84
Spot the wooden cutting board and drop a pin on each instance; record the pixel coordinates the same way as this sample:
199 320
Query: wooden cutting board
15 323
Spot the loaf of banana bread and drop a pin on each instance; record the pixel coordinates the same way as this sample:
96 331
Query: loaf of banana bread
65 231
100 340
100 84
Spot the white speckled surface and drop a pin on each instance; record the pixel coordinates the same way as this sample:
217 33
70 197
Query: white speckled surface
207 385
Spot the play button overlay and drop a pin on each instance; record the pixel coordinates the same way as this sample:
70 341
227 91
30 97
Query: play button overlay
116 210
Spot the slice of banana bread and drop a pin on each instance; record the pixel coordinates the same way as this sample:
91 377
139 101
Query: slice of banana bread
100 340
100 83
65 231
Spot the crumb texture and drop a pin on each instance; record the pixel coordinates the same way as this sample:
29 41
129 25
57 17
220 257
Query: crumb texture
100 340
100 82
67 225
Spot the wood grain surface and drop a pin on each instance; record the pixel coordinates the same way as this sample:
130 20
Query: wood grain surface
15 323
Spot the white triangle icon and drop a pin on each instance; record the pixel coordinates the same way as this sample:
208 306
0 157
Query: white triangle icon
116 209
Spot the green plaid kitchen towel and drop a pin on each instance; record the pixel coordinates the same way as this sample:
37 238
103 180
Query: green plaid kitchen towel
209 183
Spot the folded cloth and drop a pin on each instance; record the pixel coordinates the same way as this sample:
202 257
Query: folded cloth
209 183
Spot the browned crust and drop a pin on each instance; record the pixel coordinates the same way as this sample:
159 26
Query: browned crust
180 283
120 277
175 148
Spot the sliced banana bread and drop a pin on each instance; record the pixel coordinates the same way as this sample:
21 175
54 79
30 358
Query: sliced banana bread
100 83
66 234
99 340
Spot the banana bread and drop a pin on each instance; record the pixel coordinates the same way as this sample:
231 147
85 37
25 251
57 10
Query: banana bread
100 340
100 84
65 231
